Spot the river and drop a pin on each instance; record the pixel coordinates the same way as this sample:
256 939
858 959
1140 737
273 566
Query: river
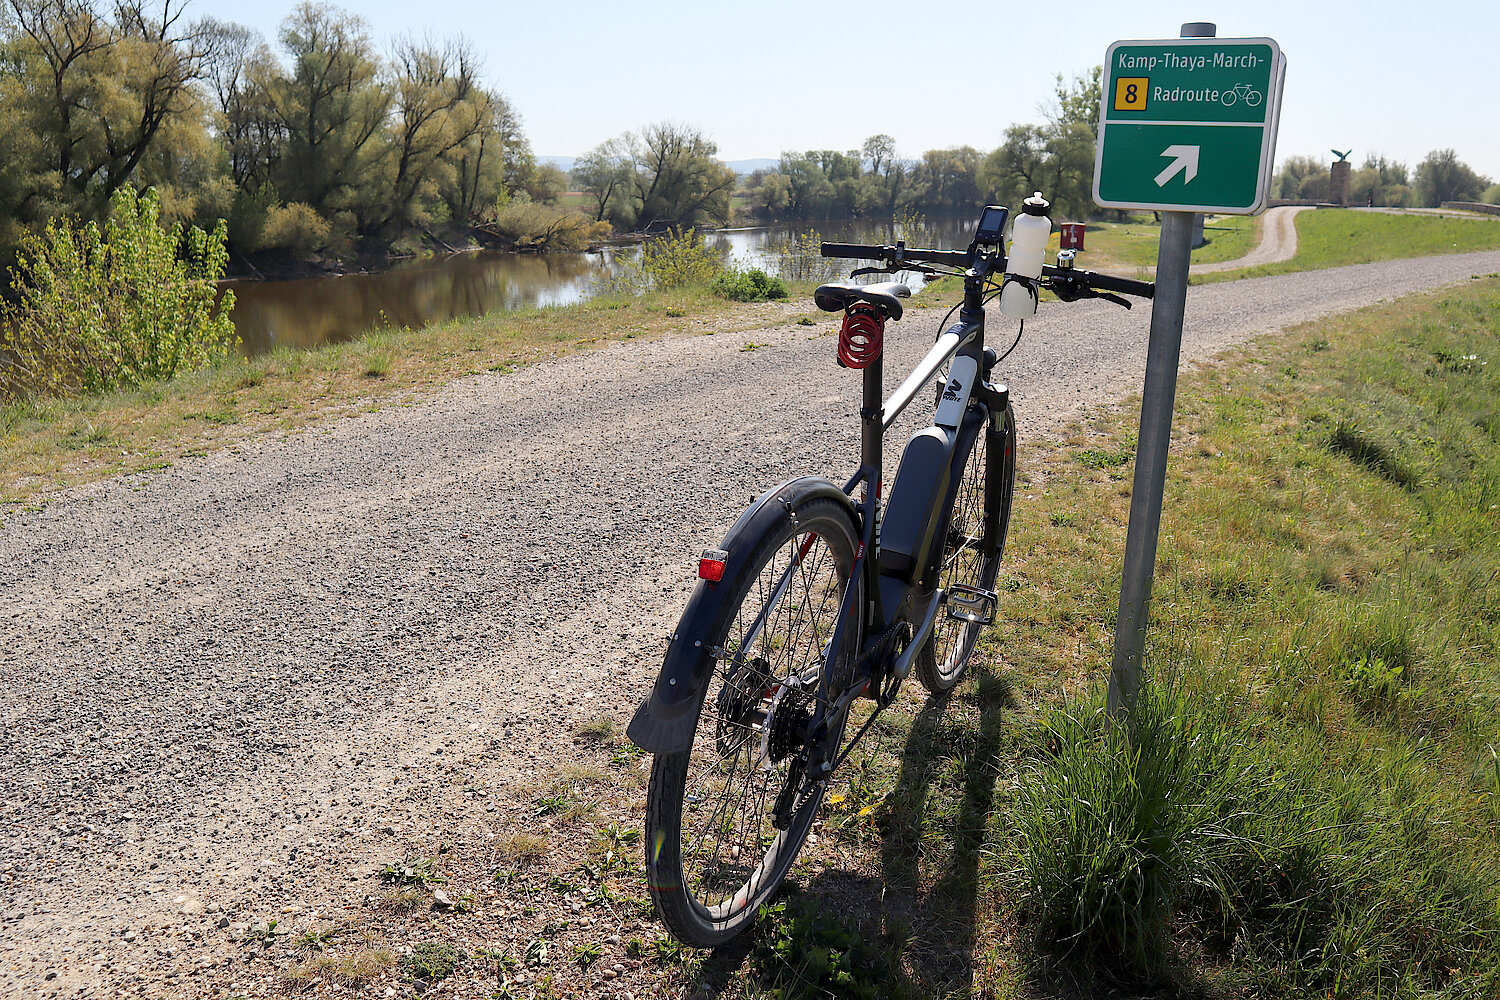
306 312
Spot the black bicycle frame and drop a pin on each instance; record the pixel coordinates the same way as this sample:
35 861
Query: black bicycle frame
887 596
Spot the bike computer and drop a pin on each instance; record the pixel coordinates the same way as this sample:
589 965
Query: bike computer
991 225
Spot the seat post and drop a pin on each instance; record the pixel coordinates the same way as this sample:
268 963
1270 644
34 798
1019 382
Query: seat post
871 416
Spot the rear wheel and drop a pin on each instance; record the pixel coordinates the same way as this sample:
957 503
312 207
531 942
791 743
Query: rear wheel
714 849
982 486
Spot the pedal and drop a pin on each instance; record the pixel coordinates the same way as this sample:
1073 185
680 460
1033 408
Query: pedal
970 604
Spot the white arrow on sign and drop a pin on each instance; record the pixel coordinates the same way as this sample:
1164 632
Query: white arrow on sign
1186 162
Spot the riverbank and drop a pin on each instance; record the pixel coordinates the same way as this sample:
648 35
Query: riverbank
54 444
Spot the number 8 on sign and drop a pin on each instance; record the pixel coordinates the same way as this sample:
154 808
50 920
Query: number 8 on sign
1130 93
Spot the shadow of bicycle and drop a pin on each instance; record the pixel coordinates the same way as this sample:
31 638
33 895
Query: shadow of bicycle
922 901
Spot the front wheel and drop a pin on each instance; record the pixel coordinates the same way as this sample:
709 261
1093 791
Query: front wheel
982 486
714 849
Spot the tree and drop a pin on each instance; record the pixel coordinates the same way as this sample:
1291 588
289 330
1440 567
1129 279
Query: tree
1078 102
437 108
489 163
1294 172
241 72
604 174
884 178
947 180
330 109
1379 182
1055 158
1442 176
98 92
808 191
676 176
547 184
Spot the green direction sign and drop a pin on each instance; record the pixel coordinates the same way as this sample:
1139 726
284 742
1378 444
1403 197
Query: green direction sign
1189 124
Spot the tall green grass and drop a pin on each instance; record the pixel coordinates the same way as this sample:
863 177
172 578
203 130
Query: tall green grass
1310 802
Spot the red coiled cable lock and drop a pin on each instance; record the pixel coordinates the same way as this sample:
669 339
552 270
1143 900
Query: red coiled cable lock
862 336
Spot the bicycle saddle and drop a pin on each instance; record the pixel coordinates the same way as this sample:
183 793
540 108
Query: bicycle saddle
839 295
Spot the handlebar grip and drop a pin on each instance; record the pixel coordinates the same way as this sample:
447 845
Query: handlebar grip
1109 283
1103 282
858 251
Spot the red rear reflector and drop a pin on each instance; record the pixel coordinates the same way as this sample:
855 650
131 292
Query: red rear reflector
711 565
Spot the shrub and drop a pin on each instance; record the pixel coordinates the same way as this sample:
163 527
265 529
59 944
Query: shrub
543 227
803 950
100 310
296 227
753 285
676 260
799 257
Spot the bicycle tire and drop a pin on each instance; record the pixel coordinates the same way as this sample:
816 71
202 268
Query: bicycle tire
981 491
713 853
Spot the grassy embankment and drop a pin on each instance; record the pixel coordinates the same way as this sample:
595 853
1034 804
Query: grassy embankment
1313 803
1325 238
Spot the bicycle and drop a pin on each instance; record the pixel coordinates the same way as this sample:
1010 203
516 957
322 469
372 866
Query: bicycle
1251 97
815 599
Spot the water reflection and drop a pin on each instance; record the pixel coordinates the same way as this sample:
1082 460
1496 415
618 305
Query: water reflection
310 311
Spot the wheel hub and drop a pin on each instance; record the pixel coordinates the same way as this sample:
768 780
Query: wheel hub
740 703
787 725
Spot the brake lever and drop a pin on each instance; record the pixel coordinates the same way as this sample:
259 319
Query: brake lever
1070 290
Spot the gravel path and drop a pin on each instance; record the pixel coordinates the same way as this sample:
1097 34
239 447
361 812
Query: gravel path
1278 241
233 688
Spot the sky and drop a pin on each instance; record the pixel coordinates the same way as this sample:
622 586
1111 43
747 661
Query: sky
767 76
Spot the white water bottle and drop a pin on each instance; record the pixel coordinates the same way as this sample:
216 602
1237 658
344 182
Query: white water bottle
1028 248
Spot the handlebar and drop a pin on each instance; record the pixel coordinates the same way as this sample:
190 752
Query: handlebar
1063 278
913 255
1101 282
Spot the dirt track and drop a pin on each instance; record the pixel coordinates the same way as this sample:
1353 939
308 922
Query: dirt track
1278 242
231 689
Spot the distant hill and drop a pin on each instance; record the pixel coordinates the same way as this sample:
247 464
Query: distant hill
738 166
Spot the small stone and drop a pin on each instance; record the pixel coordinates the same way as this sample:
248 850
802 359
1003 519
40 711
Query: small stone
441 900
611 974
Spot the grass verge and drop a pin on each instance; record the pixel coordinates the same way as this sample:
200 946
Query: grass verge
57 443
1334 237
1311 803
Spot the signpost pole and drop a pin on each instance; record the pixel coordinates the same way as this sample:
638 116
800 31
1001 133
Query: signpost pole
1163 351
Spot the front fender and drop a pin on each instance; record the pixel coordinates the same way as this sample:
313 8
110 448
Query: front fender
665 721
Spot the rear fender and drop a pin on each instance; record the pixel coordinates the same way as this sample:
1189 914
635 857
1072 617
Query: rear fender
665 721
